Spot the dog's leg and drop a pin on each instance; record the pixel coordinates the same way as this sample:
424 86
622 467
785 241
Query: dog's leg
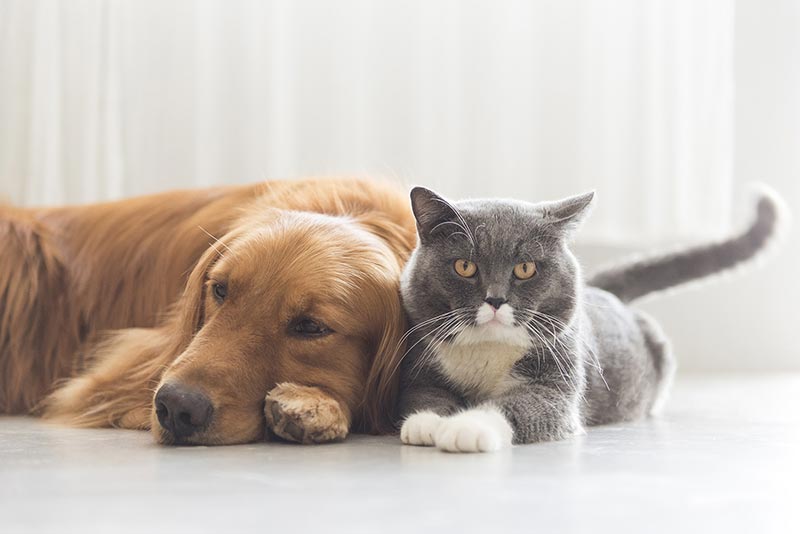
117 389
305 414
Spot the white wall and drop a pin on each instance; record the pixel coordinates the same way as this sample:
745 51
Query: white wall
751 322
527 98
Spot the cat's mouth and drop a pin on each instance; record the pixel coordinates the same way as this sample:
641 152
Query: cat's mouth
493 331
491 317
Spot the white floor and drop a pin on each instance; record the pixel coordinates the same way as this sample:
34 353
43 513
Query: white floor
725 457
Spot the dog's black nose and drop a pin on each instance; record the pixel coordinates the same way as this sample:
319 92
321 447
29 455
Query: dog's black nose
181 410
495 302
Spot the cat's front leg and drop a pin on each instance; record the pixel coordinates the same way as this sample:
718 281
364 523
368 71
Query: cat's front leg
526 414
481 429
422 410
539 412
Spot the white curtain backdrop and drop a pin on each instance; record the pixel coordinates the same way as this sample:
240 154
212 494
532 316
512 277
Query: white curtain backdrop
530 99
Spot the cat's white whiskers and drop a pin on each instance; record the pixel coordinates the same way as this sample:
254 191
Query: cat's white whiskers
534 331
576 360
433 345
445 331
593 360
570 334
434 332
442 317
430 351
454 233
464 225
562 356
567 330
428 322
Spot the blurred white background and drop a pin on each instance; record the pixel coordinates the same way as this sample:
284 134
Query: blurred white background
668 108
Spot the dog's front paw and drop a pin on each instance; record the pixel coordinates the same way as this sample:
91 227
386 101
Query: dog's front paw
420 428
476 430
305 414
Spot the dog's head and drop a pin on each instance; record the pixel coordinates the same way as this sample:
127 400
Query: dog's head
284 297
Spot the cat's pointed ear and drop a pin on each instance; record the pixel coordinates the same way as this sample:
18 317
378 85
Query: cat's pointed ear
431 211
569 213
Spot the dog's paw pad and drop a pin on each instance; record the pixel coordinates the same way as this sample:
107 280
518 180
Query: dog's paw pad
419 428
304 414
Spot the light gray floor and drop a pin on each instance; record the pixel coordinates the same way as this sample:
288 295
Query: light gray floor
725 457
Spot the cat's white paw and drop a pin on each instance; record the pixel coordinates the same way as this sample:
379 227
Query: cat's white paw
475 430
420 428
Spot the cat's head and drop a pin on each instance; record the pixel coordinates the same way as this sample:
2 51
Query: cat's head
492 270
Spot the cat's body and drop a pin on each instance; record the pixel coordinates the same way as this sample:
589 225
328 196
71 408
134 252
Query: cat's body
507 342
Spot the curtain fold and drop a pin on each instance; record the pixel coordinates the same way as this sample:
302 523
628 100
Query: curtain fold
532 99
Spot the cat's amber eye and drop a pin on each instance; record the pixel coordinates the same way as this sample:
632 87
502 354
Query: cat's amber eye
524 270
465 268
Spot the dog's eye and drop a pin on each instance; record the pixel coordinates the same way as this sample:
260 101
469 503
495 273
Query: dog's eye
220 291
310 327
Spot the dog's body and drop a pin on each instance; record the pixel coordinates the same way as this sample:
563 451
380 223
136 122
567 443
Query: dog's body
68 275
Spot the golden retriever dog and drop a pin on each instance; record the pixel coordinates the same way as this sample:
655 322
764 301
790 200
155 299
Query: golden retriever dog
206 315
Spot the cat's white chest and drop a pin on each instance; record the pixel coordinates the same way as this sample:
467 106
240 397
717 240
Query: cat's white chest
480 370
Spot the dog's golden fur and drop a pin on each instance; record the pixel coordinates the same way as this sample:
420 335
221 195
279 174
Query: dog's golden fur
142 268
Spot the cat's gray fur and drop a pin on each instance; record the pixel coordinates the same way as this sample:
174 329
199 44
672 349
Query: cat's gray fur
591 360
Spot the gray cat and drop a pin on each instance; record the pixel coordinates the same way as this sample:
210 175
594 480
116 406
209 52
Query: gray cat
508 344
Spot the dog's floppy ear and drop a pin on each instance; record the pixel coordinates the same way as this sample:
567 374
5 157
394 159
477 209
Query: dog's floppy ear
117 389
378 410
189 313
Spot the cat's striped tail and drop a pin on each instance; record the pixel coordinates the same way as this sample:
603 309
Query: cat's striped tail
637 278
